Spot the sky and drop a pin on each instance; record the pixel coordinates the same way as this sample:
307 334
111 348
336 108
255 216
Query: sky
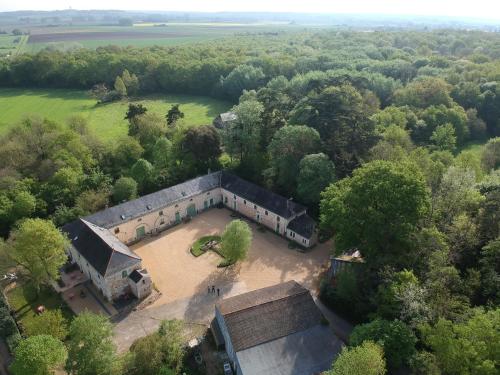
487 9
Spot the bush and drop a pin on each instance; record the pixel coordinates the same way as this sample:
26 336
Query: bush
13 341
197 248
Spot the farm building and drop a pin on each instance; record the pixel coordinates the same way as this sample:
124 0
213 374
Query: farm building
275 330
99 241
221 121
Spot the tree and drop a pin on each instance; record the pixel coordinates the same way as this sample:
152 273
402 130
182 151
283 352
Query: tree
24 205
120 88
133 111
204 143
467 347
148 356
340 114
397 340
161 153
491 154
90 349
424 92
171 334
49 323
489 266
147 128
241 136
38 355
316 172
444 137
39 248
131 82
236 241
100 92
125 189
142 172
243 77
91 201
366 359
287 148
376 210
174 114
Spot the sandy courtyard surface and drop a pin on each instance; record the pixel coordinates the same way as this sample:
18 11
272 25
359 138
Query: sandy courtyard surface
179 275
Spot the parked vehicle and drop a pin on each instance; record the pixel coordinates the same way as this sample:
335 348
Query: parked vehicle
227 369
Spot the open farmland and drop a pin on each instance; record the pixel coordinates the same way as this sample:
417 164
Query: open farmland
141 35
106 120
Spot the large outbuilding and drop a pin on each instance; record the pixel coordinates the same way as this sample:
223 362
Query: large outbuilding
277 330
99 242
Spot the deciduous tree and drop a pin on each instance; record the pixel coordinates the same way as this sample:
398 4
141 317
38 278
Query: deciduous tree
236 241
366 359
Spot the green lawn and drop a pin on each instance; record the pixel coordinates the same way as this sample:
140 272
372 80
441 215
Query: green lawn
106 120
197 250
23 301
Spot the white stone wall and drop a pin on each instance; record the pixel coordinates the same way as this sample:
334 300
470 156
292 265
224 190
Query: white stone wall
112 286
298 238
225 333
158 220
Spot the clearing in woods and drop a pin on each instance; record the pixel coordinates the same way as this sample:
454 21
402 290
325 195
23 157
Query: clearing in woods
106 120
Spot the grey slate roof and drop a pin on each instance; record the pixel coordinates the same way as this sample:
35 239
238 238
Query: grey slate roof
124 212
267 314
307 352
265 198
303 225
106 253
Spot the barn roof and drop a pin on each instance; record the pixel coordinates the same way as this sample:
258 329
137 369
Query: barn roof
267 314
303 225
265 198
102 250
130 210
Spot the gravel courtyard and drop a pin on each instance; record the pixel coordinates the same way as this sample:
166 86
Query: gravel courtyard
179 275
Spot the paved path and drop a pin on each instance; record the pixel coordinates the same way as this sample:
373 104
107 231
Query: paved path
198 309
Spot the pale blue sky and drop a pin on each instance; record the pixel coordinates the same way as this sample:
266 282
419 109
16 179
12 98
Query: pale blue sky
470 8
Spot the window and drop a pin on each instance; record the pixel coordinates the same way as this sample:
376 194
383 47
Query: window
225 199
143 281
124 274
277 218
191 200
266 213
160 213
234 196
117 230
208 193
244 202
140 219
162 221
254 207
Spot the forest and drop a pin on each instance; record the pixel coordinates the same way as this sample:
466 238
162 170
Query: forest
391 138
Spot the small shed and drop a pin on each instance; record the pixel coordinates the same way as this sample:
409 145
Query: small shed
343 262
140 283
221 121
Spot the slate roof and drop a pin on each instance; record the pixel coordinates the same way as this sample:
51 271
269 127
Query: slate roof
106 253
136 276
265 198
303 225
267 314
307 352
127 211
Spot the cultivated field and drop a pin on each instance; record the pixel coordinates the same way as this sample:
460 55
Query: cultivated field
106 120
139 35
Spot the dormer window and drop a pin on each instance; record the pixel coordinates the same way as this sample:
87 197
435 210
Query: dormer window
122 217
148 207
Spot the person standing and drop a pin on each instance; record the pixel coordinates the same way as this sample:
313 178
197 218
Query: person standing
218 292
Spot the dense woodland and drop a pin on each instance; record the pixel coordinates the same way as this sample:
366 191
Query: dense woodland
372 130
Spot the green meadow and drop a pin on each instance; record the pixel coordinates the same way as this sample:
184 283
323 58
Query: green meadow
106 120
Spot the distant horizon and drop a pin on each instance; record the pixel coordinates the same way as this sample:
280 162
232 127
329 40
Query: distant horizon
488 10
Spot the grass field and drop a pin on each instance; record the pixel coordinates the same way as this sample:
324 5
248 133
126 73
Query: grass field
106 120
24 301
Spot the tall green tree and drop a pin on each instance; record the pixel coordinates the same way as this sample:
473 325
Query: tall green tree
125 189
174 114
376 210
90 349
316 173
120 88
287 148
341 116
38 355
236 241
204 144
39 248
397 340
366 359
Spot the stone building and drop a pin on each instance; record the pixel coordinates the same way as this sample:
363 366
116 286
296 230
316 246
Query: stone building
99 241
277 330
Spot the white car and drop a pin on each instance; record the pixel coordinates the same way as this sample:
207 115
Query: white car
227 369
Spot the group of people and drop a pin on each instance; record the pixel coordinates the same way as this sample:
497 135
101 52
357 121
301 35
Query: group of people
213 290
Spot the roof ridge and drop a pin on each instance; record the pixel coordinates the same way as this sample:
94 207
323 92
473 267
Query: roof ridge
304 291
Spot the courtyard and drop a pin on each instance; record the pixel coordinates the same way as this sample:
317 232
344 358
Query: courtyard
177 274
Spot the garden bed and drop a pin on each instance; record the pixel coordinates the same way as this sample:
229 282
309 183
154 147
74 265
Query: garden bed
197 248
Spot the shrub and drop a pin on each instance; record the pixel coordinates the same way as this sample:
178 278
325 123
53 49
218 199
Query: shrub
197 248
